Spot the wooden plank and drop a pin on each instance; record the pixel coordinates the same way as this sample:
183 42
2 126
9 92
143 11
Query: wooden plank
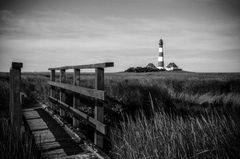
98 65
52 154
94 93
62 91
81 115
31 115
76 101
37 124
31 109
42 136
84 155
58 144
99 109
49 145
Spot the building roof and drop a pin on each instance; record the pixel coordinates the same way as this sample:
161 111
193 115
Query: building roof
172 64
151 65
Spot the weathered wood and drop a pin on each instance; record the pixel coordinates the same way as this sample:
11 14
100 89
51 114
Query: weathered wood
94 93
55 153
14 103
100 127
99 109
98 65
50 138
98 94
62 91
17 65
37 124
31 115
76 101
43 136
52 89
49 145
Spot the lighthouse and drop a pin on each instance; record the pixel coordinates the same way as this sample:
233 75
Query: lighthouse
160 56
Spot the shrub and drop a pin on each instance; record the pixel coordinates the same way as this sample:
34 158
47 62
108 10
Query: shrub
142 69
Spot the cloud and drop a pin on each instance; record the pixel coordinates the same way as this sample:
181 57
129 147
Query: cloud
129 36
118 32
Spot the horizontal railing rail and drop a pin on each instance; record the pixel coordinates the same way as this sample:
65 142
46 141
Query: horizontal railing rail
81 115
94 93
97 93
98 65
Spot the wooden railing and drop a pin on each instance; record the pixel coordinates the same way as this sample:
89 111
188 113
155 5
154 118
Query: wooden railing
98 94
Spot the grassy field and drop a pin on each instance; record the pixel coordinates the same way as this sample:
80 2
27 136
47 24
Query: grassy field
165 114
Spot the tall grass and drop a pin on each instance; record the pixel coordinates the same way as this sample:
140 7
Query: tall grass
167 136
36 87
131 89
4 97
161 135
13 145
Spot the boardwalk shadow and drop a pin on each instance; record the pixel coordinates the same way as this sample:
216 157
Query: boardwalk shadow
69 146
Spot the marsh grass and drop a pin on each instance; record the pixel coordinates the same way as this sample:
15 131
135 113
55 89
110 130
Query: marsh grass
148 130
167 88
12 144
4 97
15 146
167 136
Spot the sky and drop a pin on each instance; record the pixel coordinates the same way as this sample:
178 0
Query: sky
198 35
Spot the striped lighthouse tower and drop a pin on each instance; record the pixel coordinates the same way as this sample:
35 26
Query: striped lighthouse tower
160 56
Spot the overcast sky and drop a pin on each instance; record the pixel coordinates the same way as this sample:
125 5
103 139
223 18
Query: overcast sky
198 35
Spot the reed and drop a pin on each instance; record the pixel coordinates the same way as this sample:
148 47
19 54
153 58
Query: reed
167 136
14 145
158 133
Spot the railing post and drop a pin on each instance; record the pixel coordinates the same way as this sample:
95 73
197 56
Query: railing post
99 110
62 91
52 89
76 101
14 103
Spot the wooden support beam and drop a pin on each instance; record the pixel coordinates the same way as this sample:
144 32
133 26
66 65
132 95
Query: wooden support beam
98 65
76 101
15 107
62 91
99 109
52 88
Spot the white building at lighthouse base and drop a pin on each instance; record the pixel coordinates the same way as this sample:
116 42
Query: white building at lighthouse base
172 67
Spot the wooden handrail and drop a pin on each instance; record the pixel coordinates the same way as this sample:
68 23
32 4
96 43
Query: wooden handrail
94 93
98 65
97 93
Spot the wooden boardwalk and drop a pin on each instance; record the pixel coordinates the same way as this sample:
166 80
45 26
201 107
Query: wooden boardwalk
52 140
